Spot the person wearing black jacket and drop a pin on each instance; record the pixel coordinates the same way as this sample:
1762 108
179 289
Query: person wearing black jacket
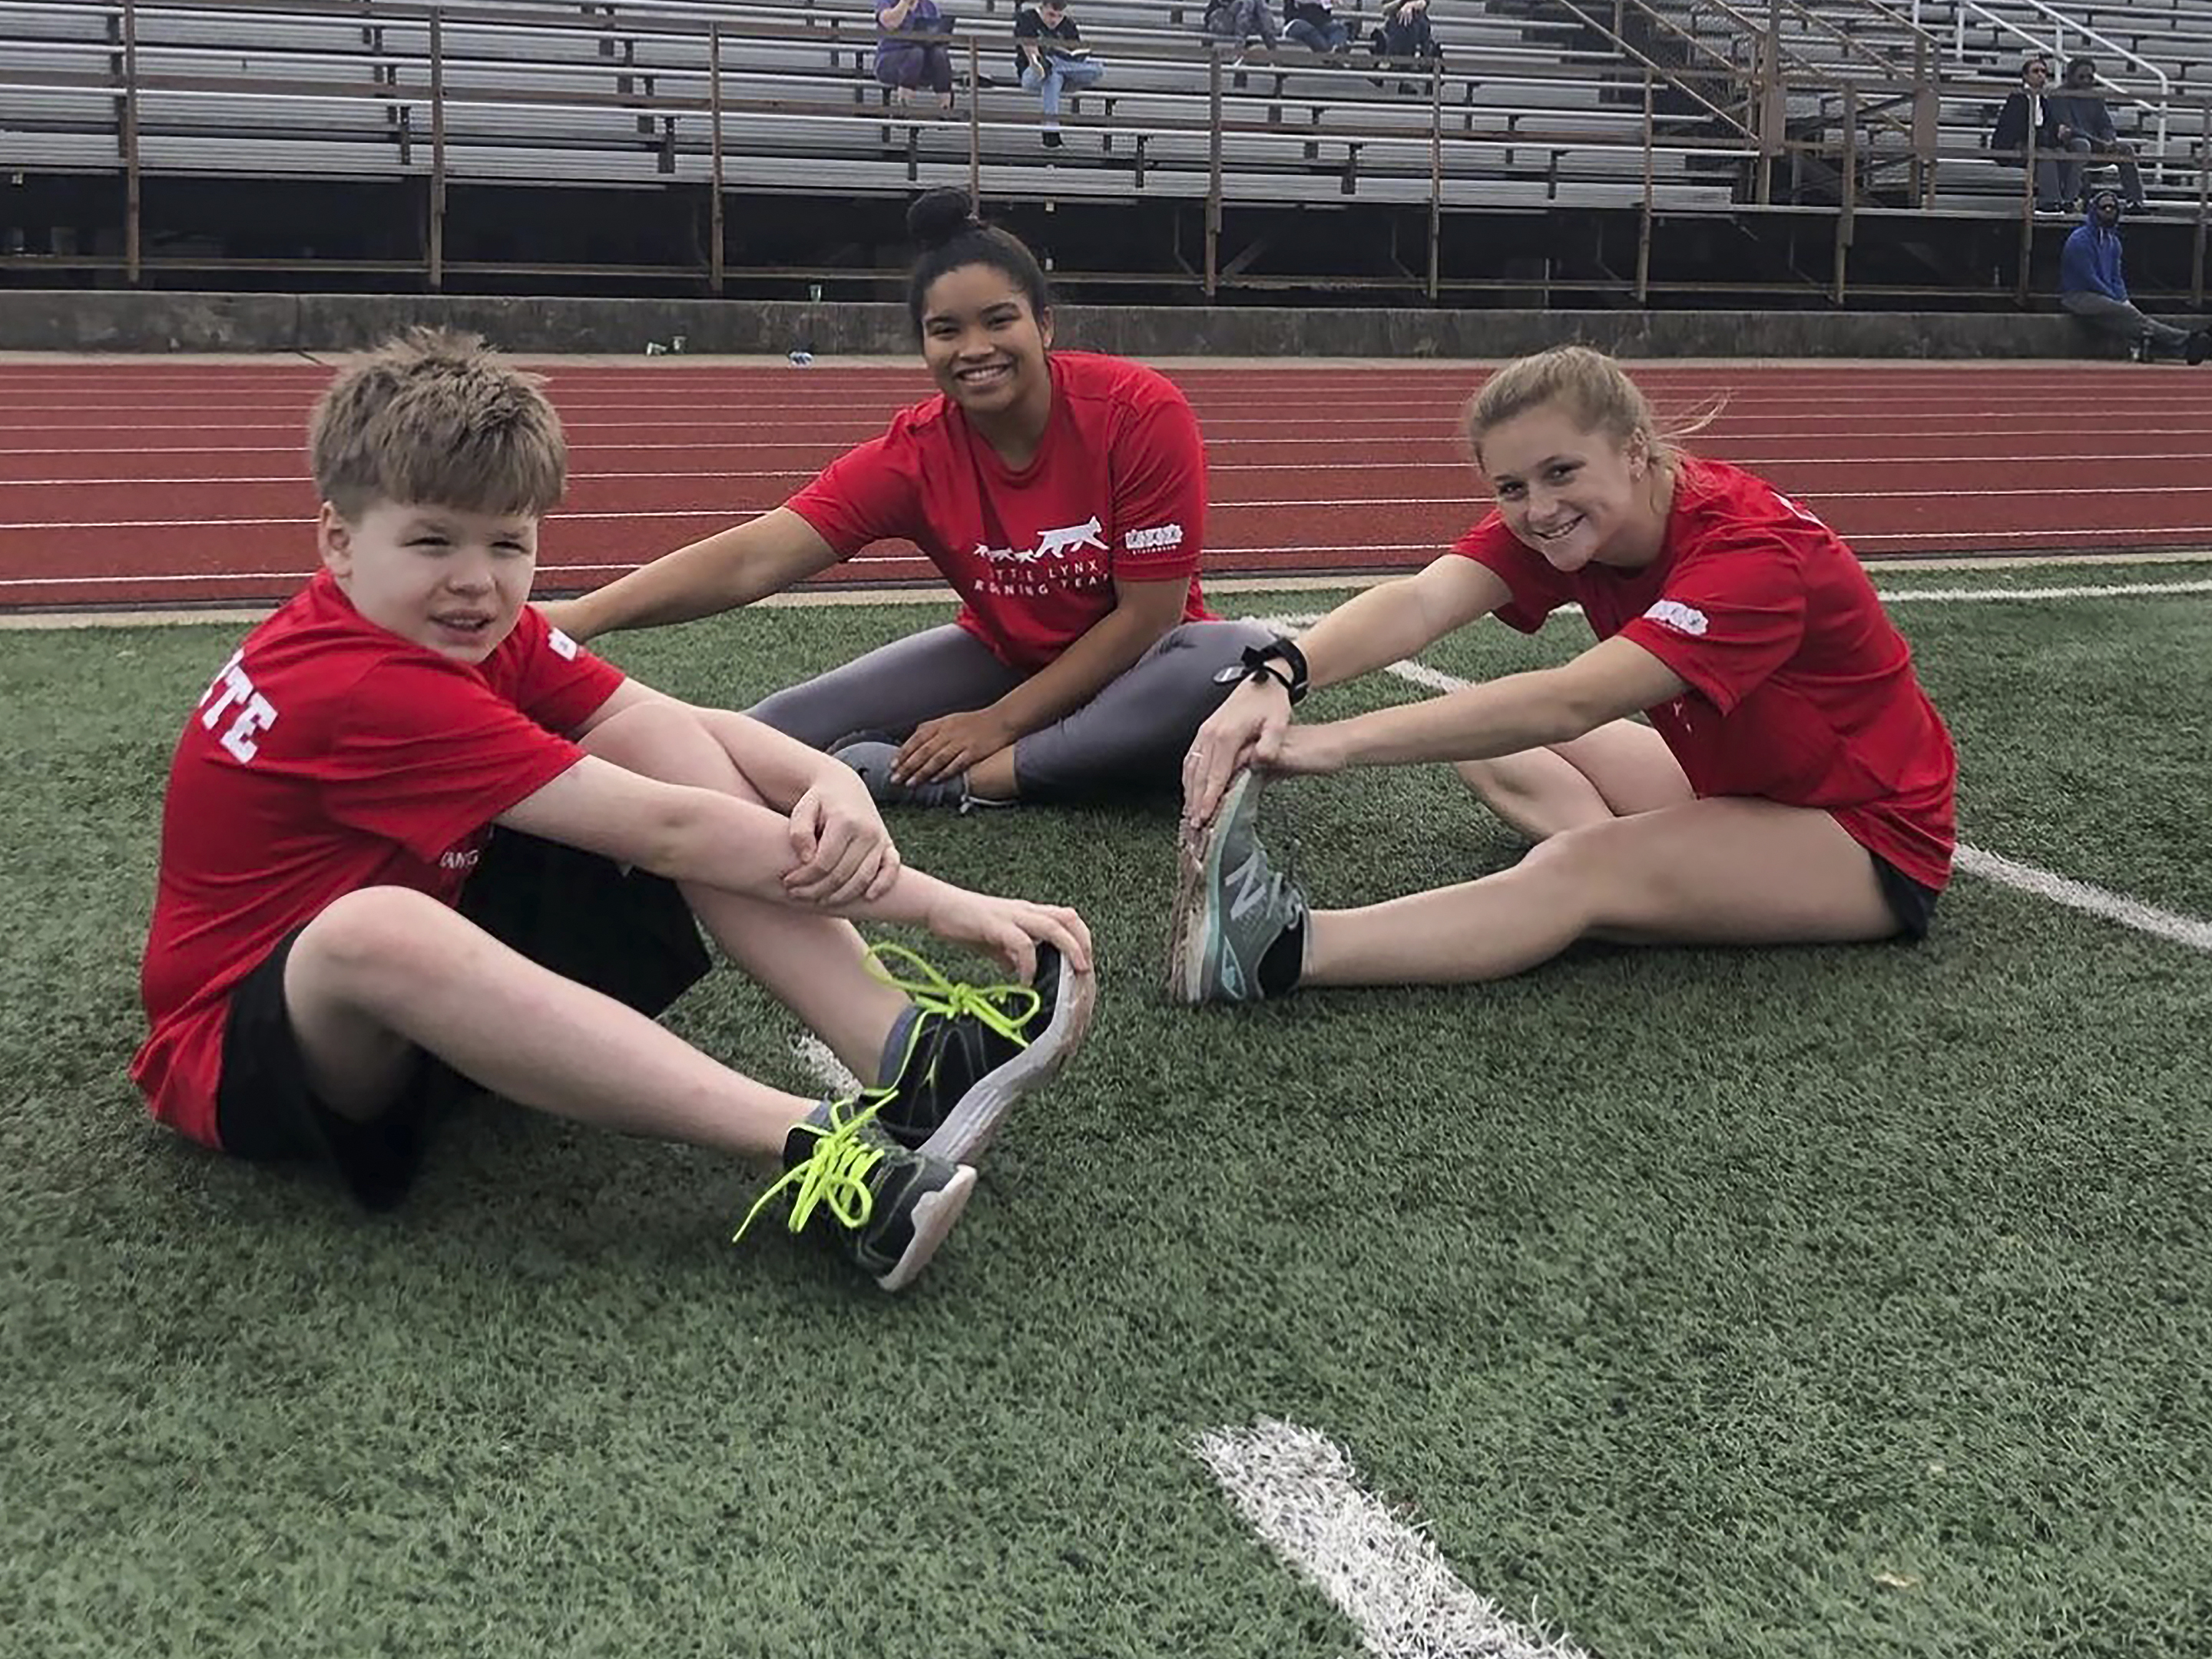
2028 114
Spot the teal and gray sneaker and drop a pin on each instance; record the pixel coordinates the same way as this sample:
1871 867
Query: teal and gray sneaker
1231 904
890 1206
973 1050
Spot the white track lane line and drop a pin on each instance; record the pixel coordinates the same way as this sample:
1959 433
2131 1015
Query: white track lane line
1299 1492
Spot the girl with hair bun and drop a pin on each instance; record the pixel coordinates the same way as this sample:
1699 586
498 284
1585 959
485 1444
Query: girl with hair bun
1063 497
1794 786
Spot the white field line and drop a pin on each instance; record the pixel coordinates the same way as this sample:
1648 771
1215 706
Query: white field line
823 1067
2081 896
54 621
1299 1492
1990 866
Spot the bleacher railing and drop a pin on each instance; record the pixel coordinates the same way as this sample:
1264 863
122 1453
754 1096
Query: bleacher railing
691 122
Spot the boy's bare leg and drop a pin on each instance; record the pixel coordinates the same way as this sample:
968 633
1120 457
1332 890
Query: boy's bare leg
815 965
386 970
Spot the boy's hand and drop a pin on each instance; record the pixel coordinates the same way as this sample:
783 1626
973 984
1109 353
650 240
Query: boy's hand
1010 930
845 852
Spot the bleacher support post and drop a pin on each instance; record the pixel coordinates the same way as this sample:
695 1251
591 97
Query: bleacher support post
437 239
1848 192
2204 203
975 125
130 177
1927 124
1773 109
1643 211
714 268
1213 172
1436 175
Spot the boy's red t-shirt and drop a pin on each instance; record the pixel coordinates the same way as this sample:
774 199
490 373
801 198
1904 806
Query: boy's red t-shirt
329 755
1117 489
1802 689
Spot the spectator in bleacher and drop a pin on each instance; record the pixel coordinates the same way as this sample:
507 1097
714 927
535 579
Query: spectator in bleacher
2085 127
1405 31
1244 23
1063 497
1314 25
910 50
1405 34
2029 115
2094 288
1049 52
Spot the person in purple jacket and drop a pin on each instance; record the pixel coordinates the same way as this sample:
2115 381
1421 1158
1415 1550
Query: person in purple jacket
2092 286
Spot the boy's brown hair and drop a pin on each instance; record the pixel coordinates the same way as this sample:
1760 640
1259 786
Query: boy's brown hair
434 418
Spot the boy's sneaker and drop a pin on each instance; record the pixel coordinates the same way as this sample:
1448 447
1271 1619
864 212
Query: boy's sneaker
891 1206
973 1050
2195 351
1231 904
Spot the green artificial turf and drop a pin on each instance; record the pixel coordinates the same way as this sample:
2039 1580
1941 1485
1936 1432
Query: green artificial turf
1798 1303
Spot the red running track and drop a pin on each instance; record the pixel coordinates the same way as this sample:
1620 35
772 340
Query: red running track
146 482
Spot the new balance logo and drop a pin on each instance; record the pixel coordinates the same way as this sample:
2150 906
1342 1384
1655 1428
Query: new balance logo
1248 885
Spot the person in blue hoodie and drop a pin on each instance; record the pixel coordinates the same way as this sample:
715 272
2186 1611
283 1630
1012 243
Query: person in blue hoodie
2091 286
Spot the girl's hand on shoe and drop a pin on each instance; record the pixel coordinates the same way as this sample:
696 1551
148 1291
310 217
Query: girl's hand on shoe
845 853
1010 930
949 745
1247 730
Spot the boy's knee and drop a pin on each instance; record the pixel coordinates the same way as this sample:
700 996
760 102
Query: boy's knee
377 932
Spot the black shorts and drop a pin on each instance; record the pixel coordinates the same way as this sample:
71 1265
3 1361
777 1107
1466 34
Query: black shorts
626 933
1912 902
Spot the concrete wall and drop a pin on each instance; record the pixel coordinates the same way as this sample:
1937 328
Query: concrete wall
63 320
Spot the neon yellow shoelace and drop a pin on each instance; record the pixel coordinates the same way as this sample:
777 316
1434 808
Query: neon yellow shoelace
834 1174
1003 1009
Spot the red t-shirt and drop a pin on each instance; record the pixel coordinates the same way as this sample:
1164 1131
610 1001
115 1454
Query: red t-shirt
331 755
1802 689
1117 488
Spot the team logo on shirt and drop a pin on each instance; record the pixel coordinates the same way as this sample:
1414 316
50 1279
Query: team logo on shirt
1682 618
1090 535
564 646
1160 539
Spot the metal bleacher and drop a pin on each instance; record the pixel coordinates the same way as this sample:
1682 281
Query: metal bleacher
1552 108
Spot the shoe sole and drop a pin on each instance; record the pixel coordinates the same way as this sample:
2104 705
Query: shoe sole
933 1217
967 1129
1197 880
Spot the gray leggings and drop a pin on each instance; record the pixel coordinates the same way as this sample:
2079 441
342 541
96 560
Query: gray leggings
1133 735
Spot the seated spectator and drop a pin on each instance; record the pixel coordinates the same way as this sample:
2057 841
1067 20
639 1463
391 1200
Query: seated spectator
1405 34
1049 52
2085 127
2092 287
2028 117
910 50
1244 22
1314 25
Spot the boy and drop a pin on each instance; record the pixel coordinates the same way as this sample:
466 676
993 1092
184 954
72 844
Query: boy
312 991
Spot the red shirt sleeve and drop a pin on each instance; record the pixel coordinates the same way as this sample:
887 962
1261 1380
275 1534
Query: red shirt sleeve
427 754
1158 479
550 676
867 494
1728 615
1538 590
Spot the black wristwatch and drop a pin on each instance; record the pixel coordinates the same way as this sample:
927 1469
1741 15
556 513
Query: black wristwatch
1281 662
